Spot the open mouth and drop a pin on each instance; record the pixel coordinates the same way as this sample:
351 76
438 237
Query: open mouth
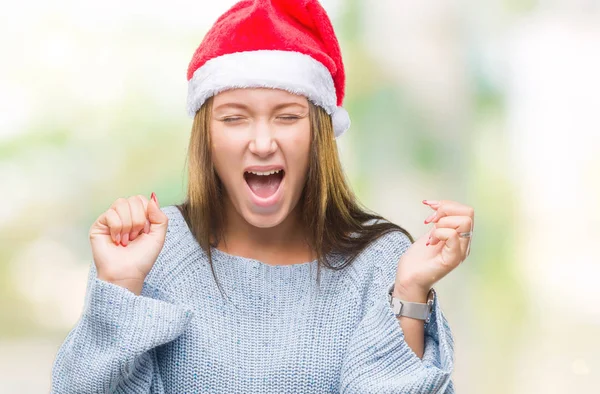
264 184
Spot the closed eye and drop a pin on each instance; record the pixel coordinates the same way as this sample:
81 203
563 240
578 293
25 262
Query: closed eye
231 119
288 118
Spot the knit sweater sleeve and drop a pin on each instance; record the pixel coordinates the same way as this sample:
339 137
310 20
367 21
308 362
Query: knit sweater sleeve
111 349
378 359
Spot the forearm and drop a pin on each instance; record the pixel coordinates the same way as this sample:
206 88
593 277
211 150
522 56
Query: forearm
414 334
414 329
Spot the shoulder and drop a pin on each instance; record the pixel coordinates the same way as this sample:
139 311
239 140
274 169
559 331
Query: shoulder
177 229
174 215
178 232
387 247
385 252
375 267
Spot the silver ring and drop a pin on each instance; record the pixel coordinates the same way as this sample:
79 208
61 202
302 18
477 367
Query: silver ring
466 235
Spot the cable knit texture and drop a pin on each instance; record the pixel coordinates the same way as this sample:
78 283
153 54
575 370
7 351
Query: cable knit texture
276 333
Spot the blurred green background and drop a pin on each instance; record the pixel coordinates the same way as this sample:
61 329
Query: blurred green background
490 103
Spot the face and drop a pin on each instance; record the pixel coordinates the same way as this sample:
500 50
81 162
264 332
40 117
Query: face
253 133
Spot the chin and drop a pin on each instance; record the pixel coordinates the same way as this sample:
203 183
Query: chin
265 220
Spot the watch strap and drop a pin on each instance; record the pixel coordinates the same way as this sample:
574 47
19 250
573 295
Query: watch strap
415 310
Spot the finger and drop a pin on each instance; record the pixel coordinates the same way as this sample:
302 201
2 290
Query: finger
138 216
434 240
112 221
464 243
432 203
157 217
468 251
124 212
454 206
453 249
460 223
145 201
451 208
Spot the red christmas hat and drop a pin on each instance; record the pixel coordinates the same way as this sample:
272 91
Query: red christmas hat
283 44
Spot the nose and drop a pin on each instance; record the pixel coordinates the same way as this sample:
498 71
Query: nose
263 144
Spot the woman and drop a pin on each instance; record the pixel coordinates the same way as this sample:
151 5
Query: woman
269 277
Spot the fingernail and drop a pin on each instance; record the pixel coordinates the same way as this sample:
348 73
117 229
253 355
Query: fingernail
125 239
153 196
118 238
430 202
430 218
147 227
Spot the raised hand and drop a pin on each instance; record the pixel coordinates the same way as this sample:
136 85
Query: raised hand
127 239
439 251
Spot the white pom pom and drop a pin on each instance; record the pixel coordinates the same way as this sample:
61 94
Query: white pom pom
341 121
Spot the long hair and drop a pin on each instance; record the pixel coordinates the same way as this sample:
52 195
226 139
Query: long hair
332 217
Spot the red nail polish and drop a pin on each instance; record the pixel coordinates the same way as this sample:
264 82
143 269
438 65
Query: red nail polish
427 244
153 197
430 218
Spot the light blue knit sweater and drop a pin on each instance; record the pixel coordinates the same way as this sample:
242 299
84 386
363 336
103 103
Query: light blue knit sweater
275 335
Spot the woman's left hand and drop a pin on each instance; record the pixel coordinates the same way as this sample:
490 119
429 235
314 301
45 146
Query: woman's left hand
436 253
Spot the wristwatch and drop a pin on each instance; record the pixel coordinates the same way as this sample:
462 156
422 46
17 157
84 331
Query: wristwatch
415 310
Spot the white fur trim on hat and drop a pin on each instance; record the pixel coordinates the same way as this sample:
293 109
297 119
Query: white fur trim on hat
294 72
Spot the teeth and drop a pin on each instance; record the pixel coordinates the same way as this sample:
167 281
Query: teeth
264 173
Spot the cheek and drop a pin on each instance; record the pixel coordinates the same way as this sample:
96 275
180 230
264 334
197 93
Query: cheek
227 141
300 139
303 147
297 152
224 156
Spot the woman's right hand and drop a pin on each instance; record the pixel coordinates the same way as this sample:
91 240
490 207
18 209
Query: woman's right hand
127 239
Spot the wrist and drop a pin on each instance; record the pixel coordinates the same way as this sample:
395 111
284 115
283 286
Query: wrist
410 294
135 286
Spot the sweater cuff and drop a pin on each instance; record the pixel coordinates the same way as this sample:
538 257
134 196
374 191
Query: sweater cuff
435 368
439 342
132 324
380 361
438 348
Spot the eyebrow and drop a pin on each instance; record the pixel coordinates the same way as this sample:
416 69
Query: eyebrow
245 107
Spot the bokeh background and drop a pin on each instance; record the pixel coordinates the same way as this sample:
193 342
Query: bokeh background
491 103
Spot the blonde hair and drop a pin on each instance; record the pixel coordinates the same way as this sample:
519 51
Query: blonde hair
332 217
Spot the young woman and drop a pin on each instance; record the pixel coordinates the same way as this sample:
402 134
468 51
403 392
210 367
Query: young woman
269 277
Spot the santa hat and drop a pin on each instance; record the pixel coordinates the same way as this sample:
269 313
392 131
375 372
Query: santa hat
283 44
